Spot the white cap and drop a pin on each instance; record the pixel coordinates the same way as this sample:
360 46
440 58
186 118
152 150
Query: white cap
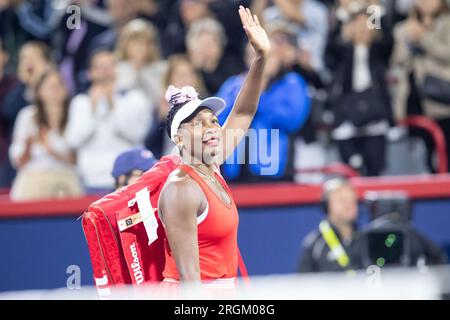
214 103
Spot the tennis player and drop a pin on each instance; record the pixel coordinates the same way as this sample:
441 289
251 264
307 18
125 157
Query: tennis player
195 205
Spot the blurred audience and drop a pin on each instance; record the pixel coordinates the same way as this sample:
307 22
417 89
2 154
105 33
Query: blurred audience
180 72
25 20
358 94
345 9
185 12
422 66
310 19
334 246
74 45
45 162
155 11
140 65
7 82
292 57
205 43
130 165
104 122
34 60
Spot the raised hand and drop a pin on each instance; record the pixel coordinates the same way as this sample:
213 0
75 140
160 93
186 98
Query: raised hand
255 33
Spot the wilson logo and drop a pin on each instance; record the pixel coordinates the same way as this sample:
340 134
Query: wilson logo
136 265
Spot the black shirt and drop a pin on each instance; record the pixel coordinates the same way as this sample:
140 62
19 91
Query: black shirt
317 256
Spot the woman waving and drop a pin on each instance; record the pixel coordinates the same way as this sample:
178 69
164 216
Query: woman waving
195 205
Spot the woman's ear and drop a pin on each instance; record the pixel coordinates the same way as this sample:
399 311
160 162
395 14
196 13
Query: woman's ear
178 142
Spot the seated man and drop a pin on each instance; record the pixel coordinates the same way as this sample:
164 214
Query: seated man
333 247
130 165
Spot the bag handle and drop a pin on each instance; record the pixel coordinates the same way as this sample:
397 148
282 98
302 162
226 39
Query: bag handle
243 269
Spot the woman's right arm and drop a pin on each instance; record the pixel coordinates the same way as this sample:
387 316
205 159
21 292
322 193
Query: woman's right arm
178 206
82 121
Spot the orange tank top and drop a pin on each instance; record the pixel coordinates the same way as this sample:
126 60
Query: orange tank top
217 235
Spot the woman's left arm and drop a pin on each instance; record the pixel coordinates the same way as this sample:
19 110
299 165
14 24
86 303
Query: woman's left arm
246 104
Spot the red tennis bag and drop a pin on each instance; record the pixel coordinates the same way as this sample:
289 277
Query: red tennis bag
124 234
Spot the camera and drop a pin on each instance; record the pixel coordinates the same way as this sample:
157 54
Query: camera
390 240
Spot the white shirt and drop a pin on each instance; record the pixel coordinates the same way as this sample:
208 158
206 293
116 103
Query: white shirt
26 127
100 134
362 79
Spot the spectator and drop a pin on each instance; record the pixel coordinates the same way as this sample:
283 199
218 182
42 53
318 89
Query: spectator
104 122
359 96
180 73
34 60
334 246
310 18
205 43
292 57
140 64
130 165
72 51
39 151
284 106
421 57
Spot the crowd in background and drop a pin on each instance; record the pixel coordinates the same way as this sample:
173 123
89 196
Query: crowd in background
75 93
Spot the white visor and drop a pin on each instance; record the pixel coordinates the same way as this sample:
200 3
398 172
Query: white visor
215 104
